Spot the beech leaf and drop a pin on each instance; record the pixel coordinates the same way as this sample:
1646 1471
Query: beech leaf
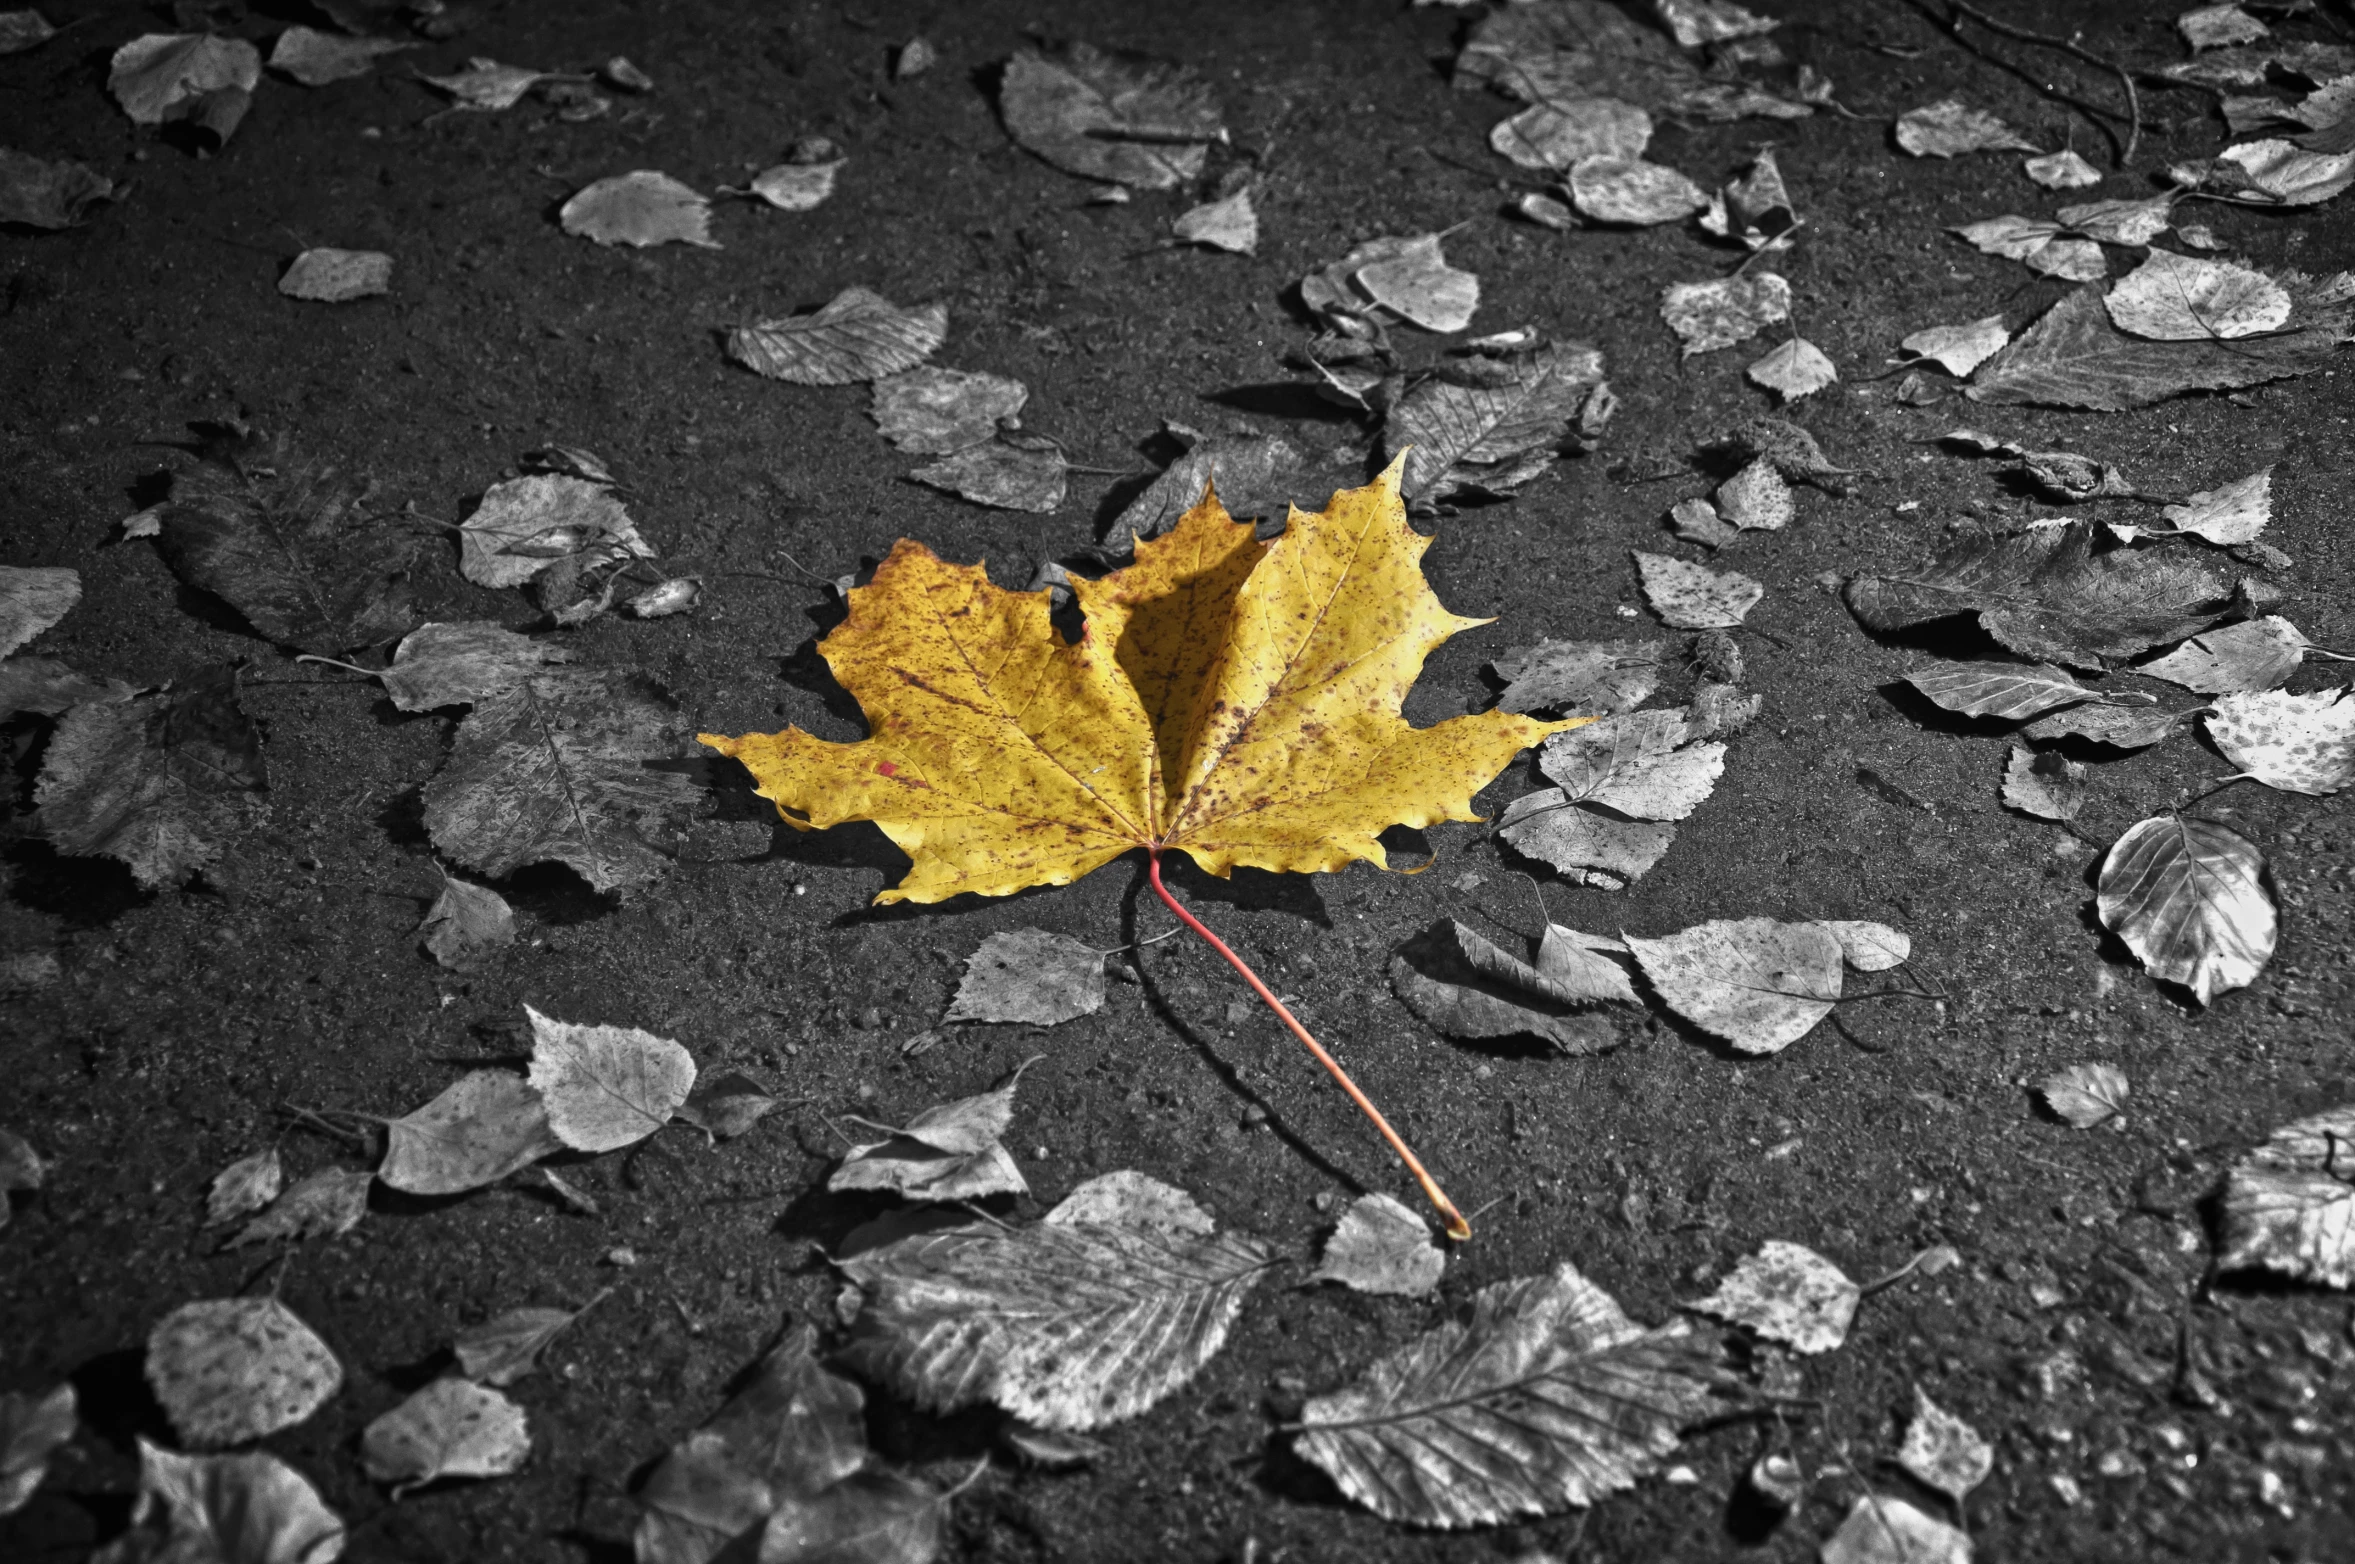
451 1428
2187 897
2297 743
1788 1293
2007 690
1547 1398
1759 984
1381 1247
1254 475
606 1087
1587 677
484 1126
2289 1205
2084 1095
858 335
233 1369
240 1509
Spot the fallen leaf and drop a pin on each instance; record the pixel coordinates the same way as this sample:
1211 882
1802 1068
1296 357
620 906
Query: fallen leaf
858 335
2234 513
2175 298
2188 898
793 1432
233 1369
2118 726
1942 1451
2084 1095
2255 654
559 767
501 1351
1547 1398
484 1126
2062 170
2044 784
1627 192
239 1509
2122 222
2005 690
639 208
1007 473
451 1428
1115 117
1254 475
1788 1293
244 1186
524 525
915 57
196 78
1545 211
22 30
932 411
2073 356
1694 23
39 193
1869 946
314 58
2047 593
1687 597
486 86
1756 499
1416 284
1030 977
804 181
2291 175
1959 349
1381 1247
1080 1320
1586 845
1489 425
1588 677
327 276
20 1168
1949 128
880 1516
1798 368
1759 984
727 1105
1891 1531
2044 246
1754 210
1724 310
1638 764
948 1152
155 782
32 1430
1227 224
2297 743
294 557
2289 1205
2217 26
606 1087
458 664
1557 136
327 1204
1792 450
32 599
1465 986
1720 711
48 686
1561 54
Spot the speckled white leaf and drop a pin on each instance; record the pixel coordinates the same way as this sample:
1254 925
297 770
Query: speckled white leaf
1383 1247
1590 678
1943 1451
2297 743
1030 977
1787 1292
1757 499
524 525
2178 298
1688 597
1007 473
1759 984
1628 192
2188 898
606 1087
483 1126
233 1369
2043 783
1724 310
2289 1205
1633 763
2290 174
2086 1094
245 1186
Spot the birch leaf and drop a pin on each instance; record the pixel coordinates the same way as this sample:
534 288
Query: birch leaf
2187 897
1687 597
157 781
858 335
1759 984
1718 313
484 1126
2297 743
606 1087
325 275
949 1152
1547 1398
240 1509
233 1369
1869 946
1381 1247
2119 727
1943 1451
2044 784
931 411
1959 349
1011 472
2234 513
295 559
2062 170
1586 845
1798 368
1627 192
451 1428
1891 1531
1787 1292
1030 977
314 58
1638 764
1489 426
1951 128
245 1186
2176 298
1464 985
1227 224
1417 285
2256 654
727 1105
47 193
525 525
640 208
2084 1095
327 1204
1558 135
2289 1205
1589 677
1756 499
2074 356
2044 246
2292 175
501 1351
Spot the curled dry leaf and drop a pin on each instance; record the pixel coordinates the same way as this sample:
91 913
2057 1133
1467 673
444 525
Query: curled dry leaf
233 1369
244 1187
32 1429
484 1126
1547 1398
2075 356
1381 1247
1759 984
2289 1205
327 1204
1798 368
2291 175
156 781
329 276
1115 117
1464 985
1077 1321
51 194
1787 1292
240 1509
2297 743
946 1153
1415 283
1942 1451
1959 349
858 335
1489 425
2188 898
314 58
1591 678
524 525
2084 1095
2042 245
1687 597
2176 298
2043 783
606 1087
451 1428
2256 654
1227 224
1011 472
1950 128
1627 192
1724 310
1890 1531
2062 170
1030 977
501 1351
2233 513
2009 691
639 208
932 411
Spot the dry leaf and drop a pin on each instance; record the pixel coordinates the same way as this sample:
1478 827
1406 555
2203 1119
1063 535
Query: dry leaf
558 767
244 1187
1556 136
1759 984
2086 1094
2256 654
2122 222
727 1105
238 1509
1588 846
1465 986
1170 726
2043 783
950 1152
2297 743
501 1351
32 599
486 86
155 781
1869 946
804 181
327 1204
2291 175
878 1516
1792 450
32 1429
1030 977
459 664
1548 1398
1011 472
1625 191
1114 117
1687 597
1069 1323
451 1428
39 193
1754 210
295 557
233 1369
484 1126
915 57
858 335
2045 246
1416 284
2117 726
524 525
1694 23
2175 298
314 58
327 276
639 208
2008 691
20 1168
22 30
1381 1247
1948 128
1489 425
1942 1451
1756 499
1588 677
2234 513
1725 310
2218 26
1638 764
1798 368
606 1087
1227 224
1891 1531
2188 898
1959 349
2062 170
1255 475
1788 1293
2073 356
194 77
2289 1206
932 411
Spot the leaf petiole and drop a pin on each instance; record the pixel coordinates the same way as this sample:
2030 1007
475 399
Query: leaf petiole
1457 1228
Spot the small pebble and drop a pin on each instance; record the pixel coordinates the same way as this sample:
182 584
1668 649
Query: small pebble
1254 1116
622 1255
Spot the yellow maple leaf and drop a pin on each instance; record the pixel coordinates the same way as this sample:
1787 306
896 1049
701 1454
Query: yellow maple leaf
1235 700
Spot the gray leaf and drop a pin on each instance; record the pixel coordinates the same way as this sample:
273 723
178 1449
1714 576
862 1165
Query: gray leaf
1255 476
327 1204
2043 784
2289 1206
1759 984
1002 474
233 1369
2256 654
2007 690
1590 677
467 924
1465 986
1030 977
932 411
2076 357
458 664
155 782
1118 118
1548 827
2187 897
32 599
1381 1247
2117 726
1479 433
290 556
858 335
1633 764
483 1126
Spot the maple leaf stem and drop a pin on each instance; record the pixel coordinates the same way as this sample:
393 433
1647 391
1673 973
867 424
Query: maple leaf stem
1457 1228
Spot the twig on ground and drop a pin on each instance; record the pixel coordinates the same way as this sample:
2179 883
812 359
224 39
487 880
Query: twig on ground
2125 150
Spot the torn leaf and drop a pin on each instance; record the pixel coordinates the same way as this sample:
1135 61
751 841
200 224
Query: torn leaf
1010 472
156 781
2044 246
1032 978
1756 499
486 86
1555 136
1588 846
1798 368
1586 678
1687 597
483 1126
1416 284
2188 898
2289 1205
244 1186
950 1152
858 335
1639 764
1950 128
2043 783
1759 984
1463 985
932 411
2256 654
233 1369
727 1105
1227 224
1254 474
460 664
1788 1293
327 1204
1718 313
195 78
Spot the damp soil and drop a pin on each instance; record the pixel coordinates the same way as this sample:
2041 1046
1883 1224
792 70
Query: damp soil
2137 1411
